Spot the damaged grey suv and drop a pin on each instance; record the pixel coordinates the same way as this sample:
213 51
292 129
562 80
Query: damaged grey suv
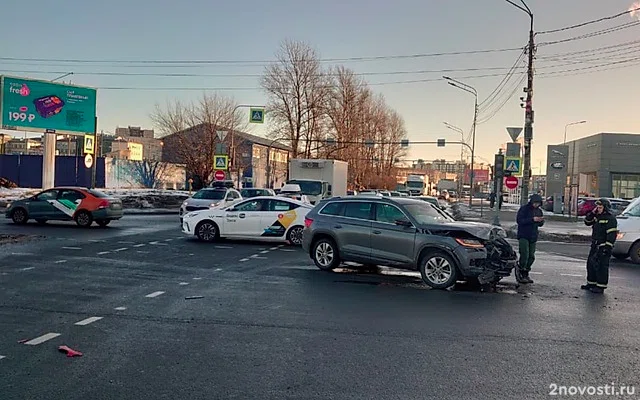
406 233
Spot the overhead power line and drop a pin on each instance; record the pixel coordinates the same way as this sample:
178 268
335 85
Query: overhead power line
170 62
580 25
593 34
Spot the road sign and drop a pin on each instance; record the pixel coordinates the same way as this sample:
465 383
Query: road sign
511 182
89 142
513 150
441 142
42 106
221 135
514 133
513 165
219 175
88 161
256 115
221 162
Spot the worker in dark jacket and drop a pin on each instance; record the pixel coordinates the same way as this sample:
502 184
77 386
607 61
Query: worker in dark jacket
529 219
604 232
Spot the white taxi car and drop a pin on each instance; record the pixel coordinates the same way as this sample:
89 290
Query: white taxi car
260 218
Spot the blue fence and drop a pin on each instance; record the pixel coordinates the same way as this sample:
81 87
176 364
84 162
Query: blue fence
26 171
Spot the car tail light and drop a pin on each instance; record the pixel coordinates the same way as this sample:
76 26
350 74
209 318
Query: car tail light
103 204
308 222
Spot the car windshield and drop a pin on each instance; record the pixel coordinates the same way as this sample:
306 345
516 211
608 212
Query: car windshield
426 213
208 194
633 210
310 188
254 192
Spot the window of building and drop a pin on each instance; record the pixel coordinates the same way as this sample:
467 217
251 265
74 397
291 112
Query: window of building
625 186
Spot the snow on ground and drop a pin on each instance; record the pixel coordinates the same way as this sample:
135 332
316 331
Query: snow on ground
16 193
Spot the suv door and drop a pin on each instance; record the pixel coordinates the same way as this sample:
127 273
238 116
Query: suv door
391 243
352 229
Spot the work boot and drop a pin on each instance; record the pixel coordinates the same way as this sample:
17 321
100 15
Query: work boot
596 289
587 286
526 277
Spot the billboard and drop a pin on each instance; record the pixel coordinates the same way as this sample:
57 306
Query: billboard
557 160
479 176
42 106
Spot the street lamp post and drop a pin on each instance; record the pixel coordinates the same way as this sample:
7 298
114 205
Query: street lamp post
233 147
573 162
528 114
474 92
461 132
269 161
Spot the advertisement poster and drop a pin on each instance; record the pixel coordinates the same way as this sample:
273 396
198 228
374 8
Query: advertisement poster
39 106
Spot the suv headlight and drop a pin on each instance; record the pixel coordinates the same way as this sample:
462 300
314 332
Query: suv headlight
470 243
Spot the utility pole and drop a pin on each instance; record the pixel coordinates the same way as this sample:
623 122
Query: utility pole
528 113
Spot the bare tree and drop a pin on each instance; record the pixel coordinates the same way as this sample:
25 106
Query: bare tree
297 88
149 173
190 131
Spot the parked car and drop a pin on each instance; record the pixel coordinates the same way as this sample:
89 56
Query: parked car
406 233
207 198
82 205
247 193
627 244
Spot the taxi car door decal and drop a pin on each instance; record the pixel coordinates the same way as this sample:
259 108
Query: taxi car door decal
279 227
66 206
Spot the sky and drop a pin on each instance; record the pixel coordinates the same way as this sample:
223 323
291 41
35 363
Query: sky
591 88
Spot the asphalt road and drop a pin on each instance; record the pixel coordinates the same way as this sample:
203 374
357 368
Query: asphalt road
159 315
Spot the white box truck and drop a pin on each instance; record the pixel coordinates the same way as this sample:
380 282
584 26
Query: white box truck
319 179
416 184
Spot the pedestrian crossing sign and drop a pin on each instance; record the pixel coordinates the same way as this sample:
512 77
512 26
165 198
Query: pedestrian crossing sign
513 165
221 162
256 115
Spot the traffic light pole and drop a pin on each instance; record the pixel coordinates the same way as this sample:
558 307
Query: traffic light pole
498 169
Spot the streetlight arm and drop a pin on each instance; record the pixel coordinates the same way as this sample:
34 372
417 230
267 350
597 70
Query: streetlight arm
525 8
461 85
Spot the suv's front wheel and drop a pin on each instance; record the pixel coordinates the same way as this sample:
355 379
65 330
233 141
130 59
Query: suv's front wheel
438 270
325 254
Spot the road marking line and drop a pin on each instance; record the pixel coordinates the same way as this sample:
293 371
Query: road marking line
274 248
60 261
121 249
120 308
126 242
96 241
218 269
257 257
154 294
103 253
244 259
224 247
264 252
183 283
1 357
71 248
139 245
156 243
88 321
27 268
579 276
42 339
281 245
287 250
142 252
22 254
168 240
535 273
196 279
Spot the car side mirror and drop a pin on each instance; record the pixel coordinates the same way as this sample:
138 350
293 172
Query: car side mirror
403 222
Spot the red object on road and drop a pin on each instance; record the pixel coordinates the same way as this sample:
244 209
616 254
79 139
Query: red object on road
511 182
219 175
70 352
